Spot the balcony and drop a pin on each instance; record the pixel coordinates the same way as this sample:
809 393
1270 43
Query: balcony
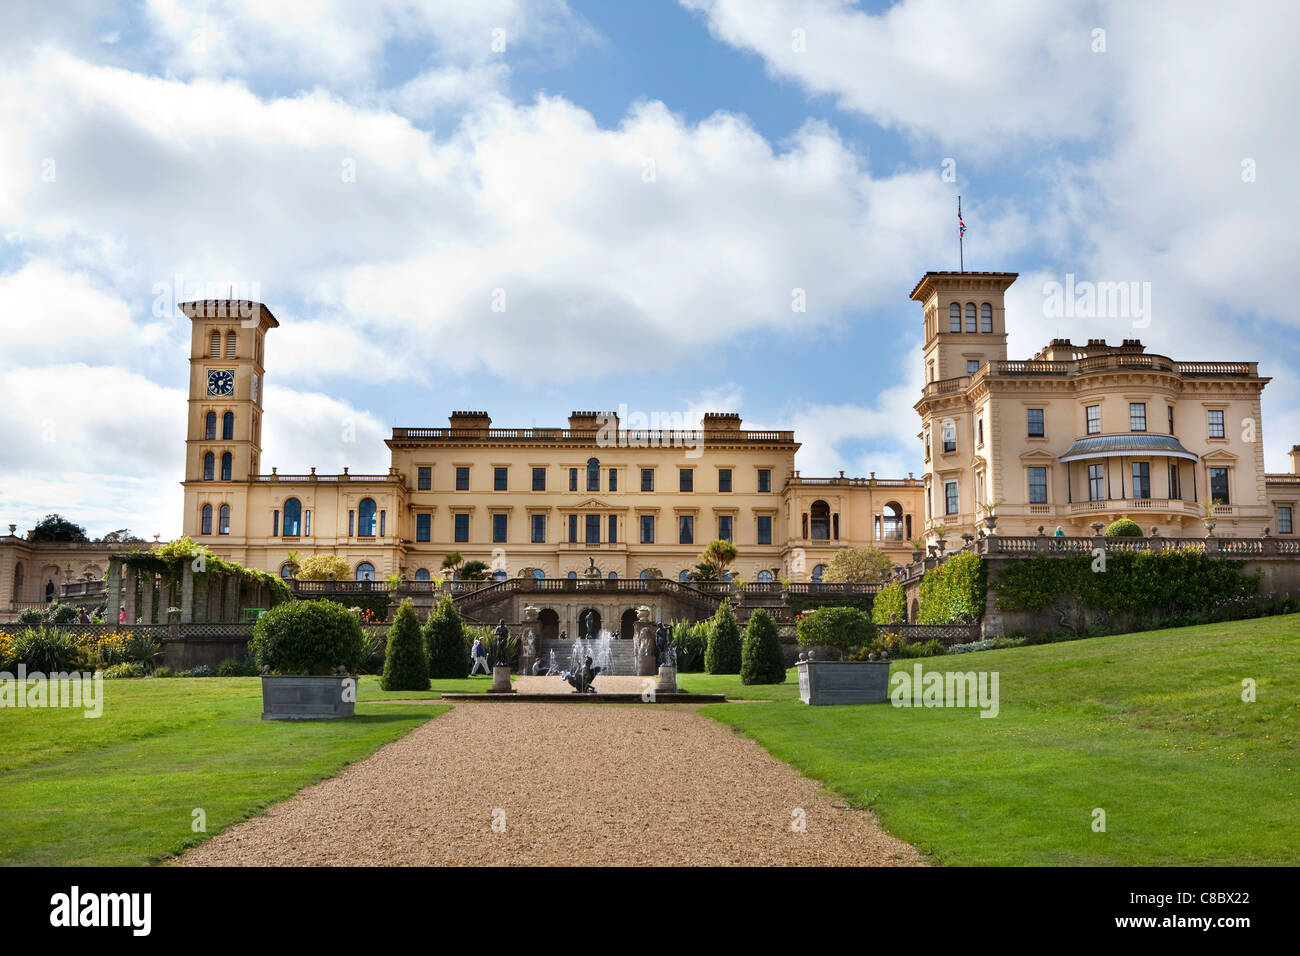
1167 506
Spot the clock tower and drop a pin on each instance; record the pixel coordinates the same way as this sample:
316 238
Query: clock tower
223 446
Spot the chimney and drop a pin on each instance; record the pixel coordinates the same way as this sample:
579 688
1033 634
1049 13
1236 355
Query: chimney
471 424
591 421
1295 459
721 422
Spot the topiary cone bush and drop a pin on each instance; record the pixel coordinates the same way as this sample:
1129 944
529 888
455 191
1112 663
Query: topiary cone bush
761 661
406 664
1124 528
445 642
722 656
308 637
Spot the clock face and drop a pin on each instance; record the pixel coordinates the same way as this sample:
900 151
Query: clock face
221 381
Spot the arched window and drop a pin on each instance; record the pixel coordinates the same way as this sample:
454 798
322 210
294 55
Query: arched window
820 513
726 576
499 574
817 573
538 573
205 525
891 520
224 518
292 518
593 474
210 428
684 577
228 426
209 466
227 461
230 345
970 316
214 345
286 570
645 575
572 575
365 571
986 318
422 574
366 518
613 575
954 318
765 576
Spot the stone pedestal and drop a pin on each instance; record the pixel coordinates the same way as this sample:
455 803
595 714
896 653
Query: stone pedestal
501 680
667 680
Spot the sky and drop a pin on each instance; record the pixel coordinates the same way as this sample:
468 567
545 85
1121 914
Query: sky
533 206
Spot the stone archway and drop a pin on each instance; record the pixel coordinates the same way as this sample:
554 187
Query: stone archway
550 624
627 625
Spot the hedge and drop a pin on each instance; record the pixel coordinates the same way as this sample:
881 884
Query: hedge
722 656
891 604
761 660
406 665
954 592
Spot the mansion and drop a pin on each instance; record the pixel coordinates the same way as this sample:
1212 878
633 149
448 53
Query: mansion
1075 435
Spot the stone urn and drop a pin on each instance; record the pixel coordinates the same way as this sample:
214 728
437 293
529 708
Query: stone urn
990 521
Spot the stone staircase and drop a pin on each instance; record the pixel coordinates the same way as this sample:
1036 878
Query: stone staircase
622 655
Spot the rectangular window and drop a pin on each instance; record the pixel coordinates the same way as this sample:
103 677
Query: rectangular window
979 430
1284 519
1096 483
573 479
613 479
383 519
539 479
1219 485
724 527
950 497
972 366
1038 486
351 517
1216 422
647 479
686 479
462 527
539 529
1094 419
500 479
647 529
462 478
1141 479
275 523
425 480
499 524
927 444
764 529
573 528
1175 482
949 437
764 480
1171 419
686 529
724 479
613 529
423 527
593 529
306 524
1137 416
1035 416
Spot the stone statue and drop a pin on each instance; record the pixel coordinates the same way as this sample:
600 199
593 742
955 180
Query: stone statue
582 679
664 643
502 635
529 643
589 625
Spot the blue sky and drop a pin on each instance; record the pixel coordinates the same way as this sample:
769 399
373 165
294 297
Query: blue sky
646 183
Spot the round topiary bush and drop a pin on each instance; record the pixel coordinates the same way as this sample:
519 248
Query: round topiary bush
308 637
445 642
1124 528
761 661
722 656
406 666
64 613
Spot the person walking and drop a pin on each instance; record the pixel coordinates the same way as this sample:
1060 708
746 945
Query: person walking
478 653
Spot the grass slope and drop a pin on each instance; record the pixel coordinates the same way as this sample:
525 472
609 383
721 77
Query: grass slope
120 790
1150 727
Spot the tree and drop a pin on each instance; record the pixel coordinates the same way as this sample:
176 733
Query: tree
844 628
714 561
473 571
324 567
451 563
120 536
761 661
722 656
864 565
55 527
444 641
406 665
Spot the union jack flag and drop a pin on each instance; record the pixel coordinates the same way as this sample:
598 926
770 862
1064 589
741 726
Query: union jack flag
961 226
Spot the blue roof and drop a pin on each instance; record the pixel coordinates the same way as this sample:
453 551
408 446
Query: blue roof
1109 446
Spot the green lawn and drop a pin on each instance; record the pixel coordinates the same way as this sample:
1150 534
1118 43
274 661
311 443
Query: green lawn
1150 727
120 790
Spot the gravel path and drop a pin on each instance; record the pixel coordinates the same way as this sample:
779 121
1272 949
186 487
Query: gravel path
616 785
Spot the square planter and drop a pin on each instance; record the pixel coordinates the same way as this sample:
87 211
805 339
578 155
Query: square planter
843 682
307 698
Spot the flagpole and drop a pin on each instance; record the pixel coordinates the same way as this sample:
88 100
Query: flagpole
961 241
